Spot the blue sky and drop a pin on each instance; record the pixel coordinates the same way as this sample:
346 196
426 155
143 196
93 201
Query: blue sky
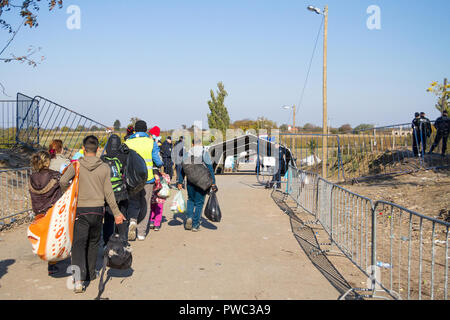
158 60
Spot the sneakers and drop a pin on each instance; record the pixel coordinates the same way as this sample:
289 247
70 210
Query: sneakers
157 228
152 225
52 269
78 287
132 230
196 229
188 225
141 238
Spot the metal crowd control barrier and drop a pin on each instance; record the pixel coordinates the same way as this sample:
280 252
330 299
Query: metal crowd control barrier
14 194
404 253
412 252
351 221
308 153
40 121
8 123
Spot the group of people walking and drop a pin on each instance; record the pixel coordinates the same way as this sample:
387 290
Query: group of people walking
422 130
104 201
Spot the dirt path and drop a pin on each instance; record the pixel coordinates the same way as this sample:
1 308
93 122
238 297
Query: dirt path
251 254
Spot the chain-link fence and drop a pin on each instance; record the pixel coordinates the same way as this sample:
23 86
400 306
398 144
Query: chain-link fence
403 253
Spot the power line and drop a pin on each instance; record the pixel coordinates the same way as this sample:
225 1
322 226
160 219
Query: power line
309 70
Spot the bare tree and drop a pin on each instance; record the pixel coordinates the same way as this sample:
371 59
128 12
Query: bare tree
27 9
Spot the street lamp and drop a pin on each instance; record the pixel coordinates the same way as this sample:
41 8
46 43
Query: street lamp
293 109
324 125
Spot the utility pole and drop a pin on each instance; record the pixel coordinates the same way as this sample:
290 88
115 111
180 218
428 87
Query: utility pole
444 96
293 128
325 125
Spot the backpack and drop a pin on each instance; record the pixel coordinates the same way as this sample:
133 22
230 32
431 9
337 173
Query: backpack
117 255
136 172
197 173
117 178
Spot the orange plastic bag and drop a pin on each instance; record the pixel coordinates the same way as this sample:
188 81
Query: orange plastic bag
51 236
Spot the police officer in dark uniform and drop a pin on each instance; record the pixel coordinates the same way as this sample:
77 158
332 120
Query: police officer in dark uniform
425 124
442 126
416 134
166 154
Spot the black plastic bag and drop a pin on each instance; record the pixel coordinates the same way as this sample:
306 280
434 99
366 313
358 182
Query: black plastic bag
197 173
136 172
212 209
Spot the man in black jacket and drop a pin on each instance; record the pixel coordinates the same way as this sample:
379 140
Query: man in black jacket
115 150
166 153
442 126
177 154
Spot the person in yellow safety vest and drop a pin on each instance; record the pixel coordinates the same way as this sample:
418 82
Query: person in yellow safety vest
139 204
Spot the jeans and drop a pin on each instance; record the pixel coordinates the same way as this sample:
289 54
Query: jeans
168 167
86 240
139 208
195 202
109 223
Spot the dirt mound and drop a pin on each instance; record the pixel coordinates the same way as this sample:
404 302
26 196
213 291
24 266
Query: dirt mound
425 191
16 157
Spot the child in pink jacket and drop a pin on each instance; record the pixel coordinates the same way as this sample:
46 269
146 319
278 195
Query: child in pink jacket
158 202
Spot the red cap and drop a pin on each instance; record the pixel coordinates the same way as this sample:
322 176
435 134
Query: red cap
155 131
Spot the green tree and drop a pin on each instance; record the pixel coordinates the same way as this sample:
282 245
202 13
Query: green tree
117 125
346 128
443 93
133 121
218 118
363 127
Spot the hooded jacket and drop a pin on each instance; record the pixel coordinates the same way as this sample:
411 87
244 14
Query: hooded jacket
114 149
94 185
44 190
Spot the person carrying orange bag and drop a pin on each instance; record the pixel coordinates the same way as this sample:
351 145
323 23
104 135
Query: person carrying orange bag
51 233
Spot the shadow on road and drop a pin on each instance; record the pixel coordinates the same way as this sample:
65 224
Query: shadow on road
4 264
306 237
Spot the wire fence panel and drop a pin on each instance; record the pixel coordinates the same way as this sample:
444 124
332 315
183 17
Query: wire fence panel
8 123
412 253
388 150
403 253
309 154
307 194
40 121
14 194
352 227
324 212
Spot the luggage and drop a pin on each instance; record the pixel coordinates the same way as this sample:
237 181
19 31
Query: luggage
117 255
178 204
51 236
197 173
117 178
212 209
136 173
